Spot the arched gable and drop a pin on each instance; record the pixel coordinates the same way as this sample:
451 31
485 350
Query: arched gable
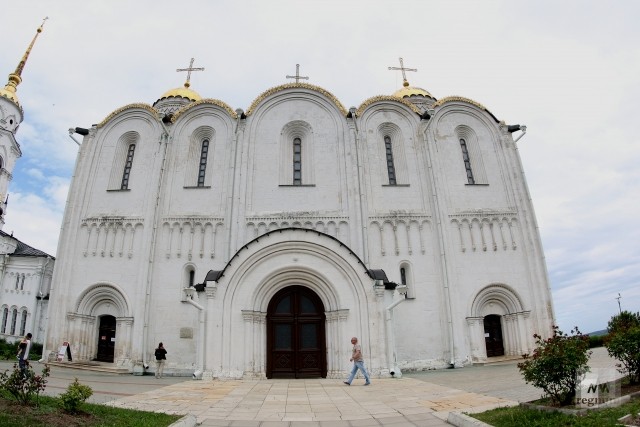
305 86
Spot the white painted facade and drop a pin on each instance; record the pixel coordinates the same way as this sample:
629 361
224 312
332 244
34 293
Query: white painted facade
132 249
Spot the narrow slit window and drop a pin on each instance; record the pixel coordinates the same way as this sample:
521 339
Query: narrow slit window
22 283
297 161
204 152
5 315
14 315
23 323
192 276
391 170
467 161
127 167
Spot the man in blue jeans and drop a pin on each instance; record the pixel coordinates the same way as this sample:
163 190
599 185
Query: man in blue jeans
358 363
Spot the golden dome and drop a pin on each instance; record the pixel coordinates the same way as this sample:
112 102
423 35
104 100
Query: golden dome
183 92
408 91
10 92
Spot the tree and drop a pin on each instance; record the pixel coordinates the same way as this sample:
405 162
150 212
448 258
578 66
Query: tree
623 343
557 364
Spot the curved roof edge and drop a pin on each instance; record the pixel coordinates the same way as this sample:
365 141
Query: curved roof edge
209 101
463 99
308 86
381 98
141 105
214 275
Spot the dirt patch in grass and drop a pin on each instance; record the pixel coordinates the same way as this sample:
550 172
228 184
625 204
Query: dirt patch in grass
44 415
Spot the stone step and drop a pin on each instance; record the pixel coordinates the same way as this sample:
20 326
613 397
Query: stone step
92 366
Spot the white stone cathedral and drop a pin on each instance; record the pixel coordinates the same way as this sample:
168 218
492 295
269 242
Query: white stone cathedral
25 272
255 244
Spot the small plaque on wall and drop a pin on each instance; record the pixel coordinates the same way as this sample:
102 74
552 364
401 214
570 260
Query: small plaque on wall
186 333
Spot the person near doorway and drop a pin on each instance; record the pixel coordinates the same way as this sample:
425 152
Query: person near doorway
358 363
161 356
23 352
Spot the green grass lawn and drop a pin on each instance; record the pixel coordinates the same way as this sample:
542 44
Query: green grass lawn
522 417
49 414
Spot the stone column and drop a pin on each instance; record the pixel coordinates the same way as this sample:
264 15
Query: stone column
211 332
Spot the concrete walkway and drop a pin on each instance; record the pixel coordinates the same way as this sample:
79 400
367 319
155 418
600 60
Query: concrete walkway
417 399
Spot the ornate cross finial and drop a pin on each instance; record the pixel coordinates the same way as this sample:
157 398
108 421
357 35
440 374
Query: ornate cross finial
403 69
43 21
298 76
189 69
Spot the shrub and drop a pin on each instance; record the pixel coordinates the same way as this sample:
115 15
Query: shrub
557 363
596 341
75 395
623 343
24 385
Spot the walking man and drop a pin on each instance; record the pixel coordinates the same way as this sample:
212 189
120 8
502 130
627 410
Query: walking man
358 363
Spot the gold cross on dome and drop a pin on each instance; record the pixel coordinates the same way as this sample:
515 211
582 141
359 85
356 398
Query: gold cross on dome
298 76
189 69
403 69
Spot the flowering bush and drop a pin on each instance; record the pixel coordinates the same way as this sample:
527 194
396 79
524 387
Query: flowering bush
24 385
75 395
623 343
557 364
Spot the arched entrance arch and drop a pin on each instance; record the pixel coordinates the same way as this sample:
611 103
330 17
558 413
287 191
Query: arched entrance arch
296 345
268 265
100 326
499 324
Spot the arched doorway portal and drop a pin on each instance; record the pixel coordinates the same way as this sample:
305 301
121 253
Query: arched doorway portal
106 338
296 344
493 335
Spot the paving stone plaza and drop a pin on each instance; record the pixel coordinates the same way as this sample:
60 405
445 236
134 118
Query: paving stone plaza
417 399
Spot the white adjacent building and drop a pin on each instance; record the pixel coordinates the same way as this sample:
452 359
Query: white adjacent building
25 272
256 243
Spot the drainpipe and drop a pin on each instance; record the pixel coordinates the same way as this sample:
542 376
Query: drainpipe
398 297
187 297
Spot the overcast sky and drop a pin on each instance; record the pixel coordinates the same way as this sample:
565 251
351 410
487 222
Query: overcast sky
569 70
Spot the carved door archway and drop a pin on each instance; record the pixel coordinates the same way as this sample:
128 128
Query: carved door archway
296 343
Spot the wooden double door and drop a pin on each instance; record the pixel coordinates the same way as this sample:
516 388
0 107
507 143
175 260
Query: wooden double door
296 343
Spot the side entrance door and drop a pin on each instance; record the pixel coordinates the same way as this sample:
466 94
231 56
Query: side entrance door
295 335
106 339
493 335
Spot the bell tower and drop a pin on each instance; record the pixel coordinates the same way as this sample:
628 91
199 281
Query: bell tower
11 115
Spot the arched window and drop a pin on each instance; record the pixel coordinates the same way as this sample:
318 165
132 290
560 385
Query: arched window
202 168
14 317
23 323
297 161
467 161
391 169
296 165
127 167
5 315
22 283
192 275
471 156
405 279
17 282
